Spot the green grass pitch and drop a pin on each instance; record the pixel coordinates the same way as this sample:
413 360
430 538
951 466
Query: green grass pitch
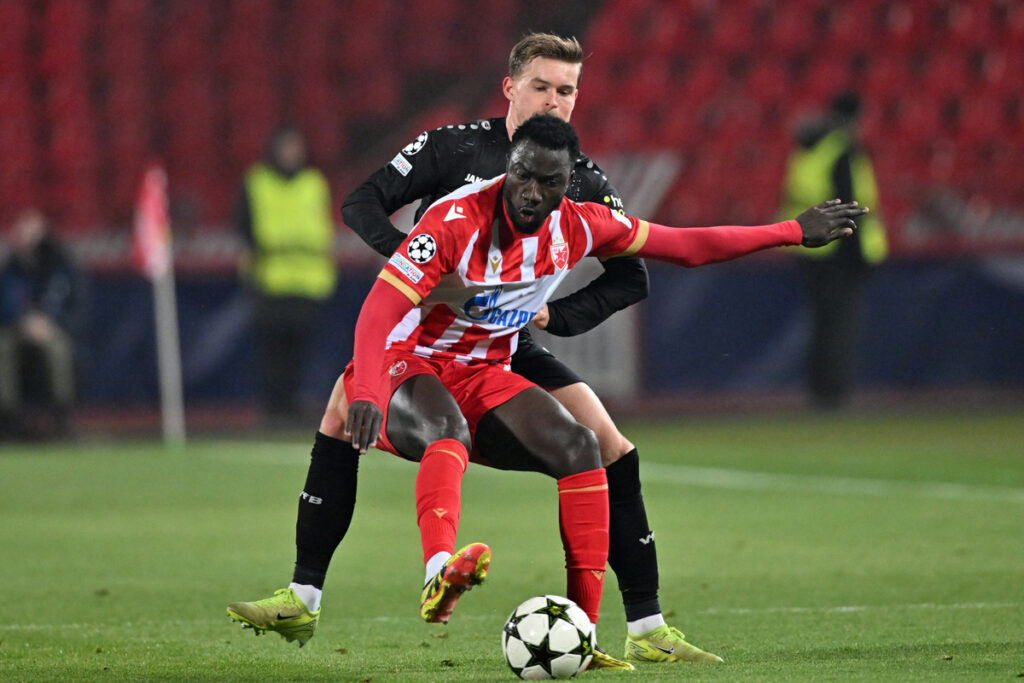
798 548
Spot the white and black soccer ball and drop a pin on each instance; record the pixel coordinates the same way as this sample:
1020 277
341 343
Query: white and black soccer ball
421 248
548 637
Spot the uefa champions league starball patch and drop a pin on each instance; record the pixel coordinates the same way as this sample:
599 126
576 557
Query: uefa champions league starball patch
416 145
421 248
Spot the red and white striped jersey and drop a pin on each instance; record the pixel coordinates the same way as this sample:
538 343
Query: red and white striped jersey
476 280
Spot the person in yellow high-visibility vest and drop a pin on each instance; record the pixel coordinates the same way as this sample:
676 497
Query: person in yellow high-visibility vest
830 162
284 214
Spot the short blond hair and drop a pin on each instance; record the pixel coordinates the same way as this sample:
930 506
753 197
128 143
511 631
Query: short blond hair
544 45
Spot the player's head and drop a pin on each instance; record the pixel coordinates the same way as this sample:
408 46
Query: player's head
544 151
543 77
287 149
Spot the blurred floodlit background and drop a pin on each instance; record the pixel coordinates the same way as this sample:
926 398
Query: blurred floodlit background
690 106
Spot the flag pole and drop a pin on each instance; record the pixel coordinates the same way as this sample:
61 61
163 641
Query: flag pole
152 253
168 355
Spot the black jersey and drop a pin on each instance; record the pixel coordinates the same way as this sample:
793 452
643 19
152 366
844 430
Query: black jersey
440 161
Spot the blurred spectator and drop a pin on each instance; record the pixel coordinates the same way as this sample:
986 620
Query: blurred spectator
284 214
830 162
42 311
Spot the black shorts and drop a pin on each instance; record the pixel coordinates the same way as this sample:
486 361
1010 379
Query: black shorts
537 364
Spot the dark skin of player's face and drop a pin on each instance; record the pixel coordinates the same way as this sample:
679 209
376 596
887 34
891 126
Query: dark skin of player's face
537 180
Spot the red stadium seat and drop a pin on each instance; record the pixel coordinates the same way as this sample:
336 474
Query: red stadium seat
946 71
791 29
851 25
919 117
964 25
768 80
67 97
829 75
982 117
888 75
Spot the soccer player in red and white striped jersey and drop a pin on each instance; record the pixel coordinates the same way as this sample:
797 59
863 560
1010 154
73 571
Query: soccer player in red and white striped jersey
430 377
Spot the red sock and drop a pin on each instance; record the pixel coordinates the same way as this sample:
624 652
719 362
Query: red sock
583 519
439 495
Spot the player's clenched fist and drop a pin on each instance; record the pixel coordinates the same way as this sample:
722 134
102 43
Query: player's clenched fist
829 221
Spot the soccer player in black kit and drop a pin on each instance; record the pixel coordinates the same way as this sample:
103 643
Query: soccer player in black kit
544 71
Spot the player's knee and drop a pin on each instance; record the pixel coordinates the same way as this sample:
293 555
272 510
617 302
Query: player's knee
332 424
413 440
613 447
581 451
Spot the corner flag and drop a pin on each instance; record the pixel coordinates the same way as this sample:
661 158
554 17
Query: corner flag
152 254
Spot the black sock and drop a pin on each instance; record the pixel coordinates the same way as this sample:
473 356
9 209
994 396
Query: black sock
325 507
631 551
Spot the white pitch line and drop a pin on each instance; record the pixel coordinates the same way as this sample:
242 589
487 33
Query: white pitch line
844 609
713 477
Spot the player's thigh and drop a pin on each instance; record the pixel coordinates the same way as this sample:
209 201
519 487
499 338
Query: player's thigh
422 411
584 405
332 423
532 431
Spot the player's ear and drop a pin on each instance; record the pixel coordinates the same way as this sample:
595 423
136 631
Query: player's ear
507 86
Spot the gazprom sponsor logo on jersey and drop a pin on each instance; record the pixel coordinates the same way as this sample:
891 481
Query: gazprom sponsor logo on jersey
484 308
406 267
401 164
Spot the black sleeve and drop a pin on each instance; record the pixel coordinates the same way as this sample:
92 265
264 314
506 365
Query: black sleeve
623 283
367 209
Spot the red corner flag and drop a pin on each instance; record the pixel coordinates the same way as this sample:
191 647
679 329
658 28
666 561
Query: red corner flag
151 241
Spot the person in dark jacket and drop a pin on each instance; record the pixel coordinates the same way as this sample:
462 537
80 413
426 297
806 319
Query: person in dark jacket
41 313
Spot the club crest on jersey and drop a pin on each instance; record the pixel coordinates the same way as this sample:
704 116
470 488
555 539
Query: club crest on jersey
421 248
560 253
398 368
416 145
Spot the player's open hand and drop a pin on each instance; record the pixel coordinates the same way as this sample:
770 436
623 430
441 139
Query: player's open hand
363 424
829 221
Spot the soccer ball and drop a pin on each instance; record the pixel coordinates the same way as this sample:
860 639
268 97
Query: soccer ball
548 637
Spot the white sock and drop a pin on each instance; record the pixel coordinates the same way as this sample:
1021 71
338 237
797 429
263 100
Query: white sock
642 626
434 565
310 595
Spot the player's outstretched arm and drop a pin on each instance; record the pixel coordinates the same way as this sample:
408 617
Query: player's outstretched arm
691 247
829 221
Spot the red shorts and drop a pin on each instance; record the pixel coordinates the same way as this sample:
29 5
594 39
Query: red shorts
477 388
